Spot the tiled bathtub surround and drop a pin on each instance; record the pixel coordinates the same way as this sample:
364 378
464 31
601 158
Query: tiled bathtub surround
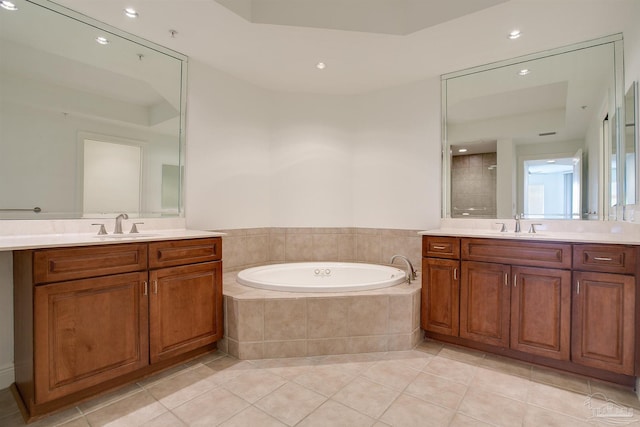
256 246
262 324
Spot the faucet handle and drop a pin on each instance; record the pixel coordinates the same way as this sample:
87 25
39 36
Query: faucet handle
532 228
503 228
134 227
102 230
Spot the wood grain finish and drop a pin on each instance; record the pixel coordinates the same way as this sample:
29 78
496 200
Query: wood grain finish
541 311
185 308
534 254
441 247
181 252
605 258
56 265
440 309
89 331
82 316
604 321
485 293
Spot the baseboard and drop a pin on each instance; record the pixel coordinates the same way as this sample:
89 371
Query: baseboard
7 376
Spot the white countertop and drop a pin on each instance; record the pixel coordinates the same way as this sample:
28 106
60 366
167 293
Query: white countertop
37 241
543 235
571 231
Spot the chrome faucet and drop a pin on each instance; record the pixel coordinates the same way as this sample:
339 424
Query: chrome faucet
119 218
517 218
411 272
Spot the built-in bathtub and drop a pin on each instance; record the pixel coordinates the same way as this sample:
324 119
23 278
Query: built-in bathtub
321 277
265 323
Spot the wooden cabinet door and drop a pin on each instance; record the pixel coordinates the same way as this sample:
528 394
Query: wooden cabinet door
484 302
603 321
185 310
541 312
440 296
88 331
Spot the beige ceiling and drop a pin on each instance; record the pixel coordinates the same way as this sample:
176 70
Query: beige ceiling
399 17
283 57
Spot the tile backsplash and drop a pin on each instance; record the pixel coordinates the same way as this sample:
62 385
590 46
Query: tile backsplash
249 247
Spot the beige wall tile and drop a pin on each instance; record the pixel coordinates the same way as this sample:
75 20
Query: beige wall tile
250 350
327 317
399 342
298 247
368 248
279 349
400 314
257 249
347 247
368 315
416 307
325 247
372 344
233 348
277 247
249 320
285 319
328 346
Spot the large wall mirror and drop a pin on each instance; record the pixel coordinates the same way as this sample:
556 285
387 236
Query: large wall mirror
536 136
91 118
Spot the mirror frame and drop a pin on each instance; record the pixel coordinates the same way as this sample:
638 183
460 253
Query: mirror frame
115 32
605 211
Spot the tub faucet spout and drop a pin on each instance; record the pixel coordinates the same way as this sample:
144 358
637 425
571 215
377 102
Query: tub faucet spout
411 272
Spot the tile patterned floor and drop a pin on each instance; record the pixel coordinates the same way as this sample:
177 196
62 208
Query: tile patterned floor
433 385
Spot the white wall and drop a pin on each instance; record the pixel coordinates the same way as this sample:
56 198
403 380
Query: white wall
258 158
311 160
227 173
6 319
397 167
632 48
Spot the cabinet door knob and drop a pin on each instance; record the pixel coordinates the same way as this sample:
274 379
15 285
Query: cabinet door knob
439 247
515 280
602 258
506 279
455 274
155 287
577 287
146 288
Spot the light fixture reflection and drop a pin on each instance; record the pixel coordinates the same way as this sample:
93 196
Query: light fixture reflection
102 40
130 12
321 65
514 34
8 5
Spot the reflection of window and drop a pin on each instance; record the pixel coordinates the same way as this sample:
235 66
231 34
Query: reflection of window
111 177
549 188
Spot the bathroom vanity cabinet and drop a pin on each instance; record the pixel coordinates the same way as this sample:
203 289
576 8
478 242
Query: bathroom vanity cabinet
94 317
570 306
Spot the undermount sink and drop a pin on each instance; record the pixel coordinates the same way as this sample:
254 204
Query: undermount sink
125 236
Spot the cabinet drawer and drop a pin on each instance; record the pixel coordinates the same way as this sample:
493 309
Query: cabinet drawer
534 254
604 258
180 252
441 247
55 265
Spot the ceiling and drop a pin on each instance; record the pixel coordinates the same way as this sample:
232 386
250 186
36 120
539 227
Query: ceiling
283 57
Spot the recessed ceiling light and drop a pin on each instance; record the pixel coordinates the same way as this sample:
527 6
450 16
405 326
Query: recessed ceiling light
462 150
102 40
523 72
130 12
8 5
321 65
551 161
514 34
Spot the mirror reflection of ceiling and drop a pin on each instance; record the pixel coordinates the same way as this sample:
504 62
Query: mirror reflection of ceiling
398 17
283 58
557 98
108 77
